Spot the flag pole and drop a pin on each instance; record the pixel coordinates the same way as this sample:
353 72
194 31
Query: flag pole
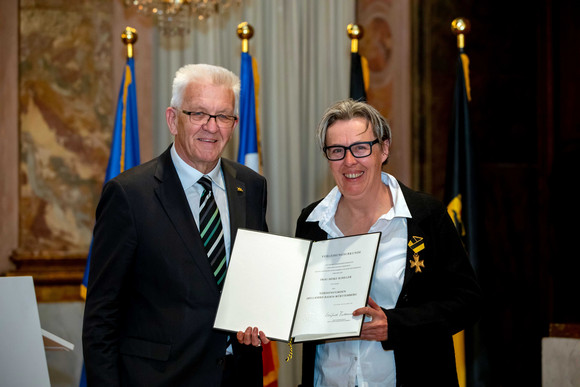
250 126
477 359
127 144
129 37
355 33
460 26
245 32
359 74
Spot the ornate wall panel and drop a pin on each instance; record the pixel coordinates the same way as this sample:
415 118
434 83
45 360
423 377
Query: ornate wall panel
386 45
65 117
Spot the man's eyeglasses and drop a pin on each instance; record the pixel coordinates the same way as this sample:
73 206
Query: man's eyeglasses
202 118
358 150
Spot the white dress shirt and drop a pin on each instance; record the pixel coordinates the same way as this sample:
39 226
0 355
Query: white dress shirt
360 362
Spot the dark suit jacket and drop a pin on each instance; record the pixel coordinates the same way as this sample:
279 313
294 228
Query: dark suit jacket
441 300
152 297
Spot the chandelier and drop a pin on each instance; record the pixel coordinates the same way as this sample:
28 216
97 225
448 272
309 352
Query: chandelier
174 16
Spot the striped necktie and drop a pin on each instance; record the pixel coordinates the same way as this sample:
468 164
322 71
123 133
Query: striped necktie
211 231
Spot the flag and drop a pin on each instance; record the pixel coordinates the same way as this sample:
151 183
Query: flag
249 154
359 77
124 149
460 186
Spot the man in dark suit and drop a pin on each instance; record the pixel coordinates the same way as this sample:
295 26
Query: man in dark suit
153 294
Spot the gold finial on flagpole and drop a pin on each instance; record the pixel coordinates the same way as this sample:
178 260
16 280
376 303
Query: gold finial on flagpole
460 27
245 32
355 33
129 37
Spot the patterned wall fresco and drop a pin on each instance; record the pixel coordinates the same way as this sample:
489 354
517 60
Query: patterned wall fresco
376 17
386 44
65 113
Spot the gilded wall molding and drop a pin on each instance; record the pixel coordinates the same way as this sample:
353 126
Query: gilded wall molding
57 274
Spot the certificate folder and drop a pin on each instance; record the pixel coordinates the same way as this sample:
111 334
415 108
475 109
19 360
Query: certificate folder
296 288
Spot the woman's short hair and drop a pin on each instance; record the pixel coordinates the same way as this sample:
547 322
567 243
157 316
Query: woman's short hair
348 109
204 74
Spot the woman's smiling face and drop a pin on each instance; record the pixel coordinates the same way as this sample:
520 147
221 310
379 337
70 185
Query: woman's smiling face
354 176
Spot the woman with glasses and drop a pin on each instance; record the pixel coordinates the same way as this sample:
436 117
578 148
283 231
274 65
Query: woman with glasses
423 289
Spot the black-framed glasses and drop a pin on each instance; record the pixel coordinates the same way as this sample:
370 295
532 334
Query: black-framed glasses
202 118
358 150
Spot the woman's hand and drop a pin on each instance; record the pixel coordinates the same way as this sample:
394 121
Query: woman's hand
378 328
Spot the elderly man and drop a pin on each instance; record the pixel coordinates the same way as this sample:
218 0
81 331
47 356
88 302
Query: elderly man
162 239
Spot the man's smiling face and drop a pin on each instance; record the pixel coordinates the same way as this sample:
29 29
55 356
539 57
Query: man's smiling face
198 145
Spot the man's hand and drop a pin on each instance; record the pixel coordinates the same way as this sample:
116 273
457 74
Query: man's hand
378 328
252 336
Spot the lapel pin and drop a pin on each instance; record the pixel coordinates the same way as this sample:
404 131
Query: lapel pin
240 189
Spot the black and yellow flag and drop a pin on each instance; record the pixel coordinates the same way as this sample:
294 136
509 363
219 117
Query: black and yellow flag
358 77
460 190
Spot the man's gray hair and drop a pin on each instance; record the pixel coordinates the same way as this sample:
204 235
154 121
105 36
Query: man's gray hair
204 74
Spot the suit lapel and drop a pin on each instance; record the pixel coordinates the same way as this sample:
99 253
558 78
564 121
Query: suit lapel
173 200
236 191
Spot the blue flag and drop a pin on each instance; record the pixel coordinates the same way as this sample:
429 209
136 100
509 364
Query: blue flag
249 155
124 148
248 149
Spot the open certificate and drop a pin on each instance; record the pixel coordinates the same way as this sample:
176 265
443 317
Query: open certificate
290 287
